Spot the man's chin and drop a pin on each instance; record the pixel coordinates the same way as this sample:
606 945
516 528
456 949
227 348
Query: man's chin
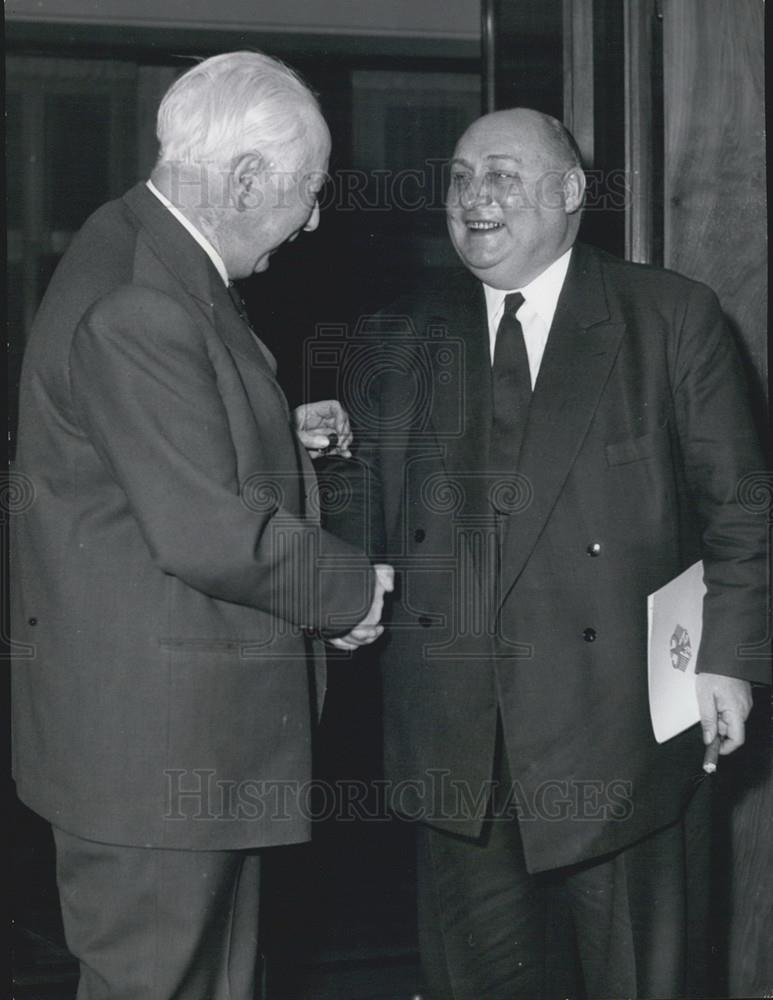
490 272
477 261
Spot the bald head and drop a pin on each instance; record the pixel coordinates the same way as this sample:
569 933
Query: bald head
547 136
515 196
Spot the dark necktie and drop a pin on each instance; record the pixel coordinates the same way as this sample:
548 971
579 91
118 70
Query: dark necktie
238 302
511 389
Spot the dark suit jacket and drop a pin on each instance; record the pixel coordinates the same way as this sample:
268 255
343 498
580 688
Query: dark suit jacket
638 437
171 567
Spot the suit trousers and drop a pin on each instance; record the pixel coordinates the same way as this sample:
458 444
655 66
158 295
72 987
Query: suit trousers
614 927
155 924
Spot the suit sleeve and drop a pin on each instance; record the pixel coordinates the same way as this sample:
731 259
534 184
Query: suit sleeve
722 461
146 395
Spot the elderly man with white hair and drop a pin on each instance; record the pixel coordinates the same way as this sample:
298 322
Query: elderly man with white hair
172 583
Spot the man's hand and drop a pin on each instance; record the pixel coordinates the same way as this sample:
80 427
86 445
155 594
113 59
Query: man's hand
316 422
368 630
724 704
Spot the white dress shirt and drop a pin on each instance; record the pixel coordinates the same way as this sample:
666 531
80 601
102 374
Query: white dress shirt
203 242
536 313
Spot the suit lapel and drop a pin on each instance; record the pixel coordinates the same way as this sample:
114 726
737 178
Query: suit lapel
580 352
237 333
460 416
191 266
461 384
183 256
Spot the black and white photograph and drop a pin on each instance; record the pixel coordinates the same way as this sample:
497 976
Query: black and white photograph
387 523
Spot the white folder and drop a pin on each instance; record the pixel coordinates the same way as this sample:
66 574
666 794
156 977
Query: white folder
675 615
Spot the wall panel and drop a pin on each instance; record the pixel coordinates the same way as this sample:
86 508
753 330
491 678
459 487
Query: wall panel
715 226
451 19
715 208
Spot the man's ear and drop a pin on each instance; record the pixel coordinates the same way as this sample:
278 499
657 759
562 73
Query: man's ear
573 187
247 180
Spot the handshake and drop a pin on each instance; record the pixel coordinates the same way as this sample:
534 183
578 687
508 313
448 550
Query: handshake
369 629
323 428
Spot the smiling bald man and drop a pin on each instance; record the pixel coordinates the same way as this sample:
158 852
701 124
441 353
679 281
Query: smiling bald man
561 434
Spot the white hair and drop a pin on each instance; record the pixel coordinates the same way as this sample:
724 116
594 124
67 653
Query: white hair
233 104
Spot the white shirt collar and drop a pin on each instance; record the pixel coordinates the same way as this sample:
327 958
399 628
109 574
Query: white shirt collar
541 294
203 242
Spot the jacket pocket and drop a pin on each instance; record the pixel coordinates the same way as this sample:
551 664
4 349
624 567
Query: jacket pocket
637 449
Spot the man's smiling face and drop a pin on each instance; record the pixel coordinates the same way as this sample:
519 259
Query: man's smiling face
512 204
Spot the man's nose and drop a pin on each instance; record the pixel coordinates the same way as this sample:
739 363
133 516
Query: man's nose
313 220
475 192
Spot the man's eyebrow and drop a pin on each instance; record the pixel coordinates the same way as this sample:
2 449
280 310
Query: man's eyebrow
459 161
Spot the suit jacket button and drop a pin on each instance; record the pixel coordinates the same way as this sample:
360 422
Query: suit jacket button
419 535
594 549
32 621
589 634
424 621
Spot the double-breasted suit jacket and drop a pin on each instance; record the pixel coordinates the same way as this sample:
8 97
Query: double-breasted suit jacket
170 571
637 441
